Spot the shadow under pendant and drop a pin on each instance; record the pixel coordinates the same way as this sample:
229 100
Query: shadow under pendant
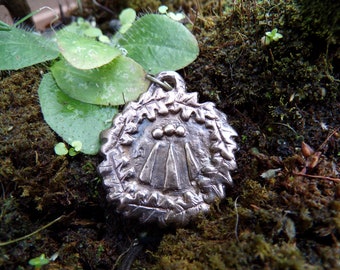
167 157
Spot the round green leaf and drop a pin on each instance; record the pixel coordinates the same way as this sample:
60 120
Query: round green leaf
116 83
60 149
39 261
84 52
127 16
159 43
176 16
163 9
104 39
77 145
72 152
19 49
71 119
93 32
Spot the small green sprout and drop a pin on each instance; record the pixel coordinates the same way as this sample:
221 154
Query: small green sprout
163 9
83 27
93 32
270 37
38 262
175 16
75 149
126 18
104 39
61 150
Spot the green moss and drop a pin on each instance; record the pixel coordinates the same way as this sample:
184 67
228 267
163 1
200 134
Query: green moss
140 5
36 185
321 20
235 69
252 249
271 231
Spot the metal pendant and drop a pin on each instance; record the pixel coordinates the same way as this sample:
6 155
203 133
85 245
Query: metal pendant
167 157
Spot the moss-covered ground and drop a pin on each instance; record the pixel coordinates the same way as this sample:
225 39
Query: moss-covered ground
283 211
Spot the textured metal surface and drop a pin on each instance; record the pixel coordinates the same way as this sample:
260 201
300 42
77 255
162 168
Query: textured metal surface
167 157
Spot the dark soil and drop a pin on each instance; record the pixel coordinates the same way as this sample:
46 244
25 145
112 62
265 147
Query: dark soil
283 211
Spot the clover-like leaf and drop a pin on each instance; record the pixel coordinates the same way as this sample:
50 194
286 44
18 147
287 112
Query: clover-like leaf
116 83
159 43
77 145
127 16
71 119
60 149
20 48
84 52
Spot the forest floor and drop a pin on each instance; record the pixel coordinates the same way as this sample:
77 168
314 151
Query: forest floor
283 211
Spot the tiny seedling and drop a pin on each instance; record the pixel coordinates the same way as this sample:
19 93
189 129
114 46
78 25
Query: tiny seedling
126 18
38 262
270 37
175 16
75 149
61 149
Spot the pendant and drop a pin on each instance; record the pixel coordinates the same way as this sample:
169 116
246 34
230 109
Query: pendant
167 157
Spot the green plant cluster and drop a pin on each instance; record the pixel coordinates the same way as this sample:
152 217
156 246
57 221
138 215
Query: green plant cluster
62 150
92 73
271 36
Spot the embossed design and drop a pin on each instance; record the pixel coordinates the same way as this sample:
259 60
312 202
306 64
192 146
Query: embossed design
167 157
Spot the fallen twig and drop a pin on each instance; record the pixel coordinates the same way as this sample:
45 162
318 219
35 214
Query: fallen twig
318 177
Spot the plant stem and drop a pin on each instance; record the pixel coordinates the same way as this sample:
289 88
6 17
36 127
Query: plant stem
31 234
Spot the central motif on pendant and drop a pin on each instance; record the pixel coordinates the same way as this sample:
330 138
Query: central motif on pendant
167 157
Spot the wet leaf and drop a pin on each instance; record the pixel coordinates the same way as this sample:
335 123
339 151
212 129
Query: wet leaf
19 49
71 119
159 43
116 83
85 52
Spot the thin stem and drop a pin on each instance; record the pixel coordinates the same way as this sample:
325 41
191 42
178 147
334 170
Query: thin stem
319 177
31 234
36 12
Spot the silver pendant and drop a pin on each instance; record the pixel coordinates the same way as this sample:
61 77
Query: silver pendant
167 157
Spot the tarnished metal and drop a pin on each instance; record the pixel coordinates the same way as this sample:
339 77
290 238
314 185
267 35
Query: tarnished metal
167 157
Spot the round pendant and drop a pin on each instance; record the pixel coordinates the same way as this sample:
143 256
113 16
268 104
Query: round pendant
167 157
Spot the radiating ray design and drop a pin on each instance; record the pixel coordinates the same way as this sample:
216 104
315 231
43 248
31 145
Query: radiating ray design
193 167
146 173
171 180
169 167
